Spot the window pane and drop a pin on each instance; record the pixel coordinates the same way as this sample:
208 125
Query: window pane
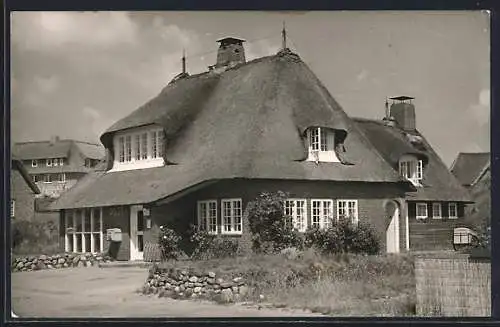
314 139
128 148
137 147
160 143
144 146
97 242
78 243
316 213
140 221
140 243
323 133
213 216
69 241
121 149
300 216
96 220
87 220
237 215
69 219
78 219
154 152
87 243
227 216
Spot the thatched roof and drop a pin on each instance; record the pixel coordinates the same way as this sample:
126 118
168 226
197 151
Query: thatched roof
468 166
392 142
18 165
246 122
57 149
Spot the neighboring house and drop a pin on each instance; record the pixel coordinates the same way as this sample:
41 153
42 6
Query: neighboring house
439 202
473 170
210 143
470 168
56 165
22 192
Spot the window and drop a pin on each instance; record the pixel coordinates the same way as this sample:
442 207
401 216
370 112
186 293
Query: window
231 216
436 210
159 144
422 211
128 148
452 210
348 209
36 178
61 161
321 144
154 144
62 177
137 147
321 213
207 216
47 178
12 208
412 170
34 163
84 230
296 209
121 149
55 162
49 162
144 146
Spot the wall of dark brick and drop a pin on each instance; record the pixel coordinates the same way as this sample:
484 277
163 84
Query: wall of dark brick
433 234
371 198
23 196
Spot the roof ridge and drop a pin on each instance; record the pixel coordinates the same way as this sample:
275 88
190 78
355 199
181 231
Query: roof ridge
60 140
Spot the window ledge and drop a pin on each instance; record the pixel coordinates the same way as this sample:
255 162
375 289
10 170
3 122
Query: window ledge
231 233
139 164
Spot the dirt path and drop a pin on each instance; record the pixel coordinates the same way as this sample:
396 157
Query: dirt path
96 292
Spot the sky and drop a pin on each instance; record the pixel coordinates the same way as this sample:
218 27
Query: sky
73 74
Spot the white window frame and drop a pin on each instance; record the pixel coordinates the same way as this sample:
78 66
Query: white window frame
348 203
439 215
61 161
72 236
234 226
321 145
48 162
34 163
455 206
207 219
63 180
12 208
412 169
422 204
148 153
291 208
47 177
323 220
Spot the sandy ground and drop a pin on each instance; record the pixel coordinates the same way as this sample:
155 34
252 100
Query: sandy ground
111 292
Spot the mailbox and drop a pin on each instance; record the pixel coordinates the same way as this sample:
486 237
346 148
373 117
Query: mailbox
114 235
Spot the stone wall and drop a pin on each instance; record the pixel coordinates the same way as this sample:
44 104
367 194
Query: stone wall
189 284
65 260
453 286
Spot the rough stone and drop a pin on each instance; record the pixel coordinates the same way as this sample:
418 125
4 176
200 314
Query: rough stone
226 284
20 265
182 288
235 289
184 272
59 266
237 279
216 286
244 290
177 289
197 289
211 280
61 260
219 280
76 259
50 266
193 279
65 265
89 264
226 295
217 291
211 274
197 284
43 257
81 264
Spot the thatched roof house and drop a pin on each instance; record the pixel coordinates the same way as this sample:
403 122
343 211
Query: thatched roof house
22 191
211 142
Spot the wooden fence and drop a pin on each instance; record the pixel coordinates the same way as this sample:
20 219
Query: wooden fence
455 286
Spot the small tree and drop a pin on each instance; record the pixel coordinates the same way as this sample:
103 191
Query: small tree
271 230
169 243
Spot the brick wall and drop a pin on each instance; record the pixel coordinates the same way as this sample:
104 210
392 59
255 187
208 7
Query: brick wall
371 198
433 234
23 195
453 286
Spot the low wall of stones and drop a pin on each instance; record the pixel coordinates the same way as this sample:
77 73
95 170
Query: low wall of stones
58 261
189 284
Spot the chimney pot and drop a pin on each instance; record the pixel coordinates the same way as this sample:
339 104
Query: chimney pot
231 52
403 111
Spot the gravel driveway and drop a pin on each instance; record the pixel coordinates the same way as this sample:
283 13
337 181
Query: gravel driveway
111 292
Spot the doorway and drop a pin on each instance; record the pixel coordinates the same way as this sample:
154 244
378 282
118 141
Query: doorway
136 232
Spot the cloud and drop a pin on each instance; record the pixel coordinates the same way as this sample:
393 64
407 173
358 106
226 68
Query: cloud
47 31
480 111
97 121
260 48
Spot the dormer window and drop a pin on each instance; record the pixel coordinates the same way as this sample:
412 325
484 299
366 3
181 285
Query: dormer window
412 169
138 149
321 142
34 163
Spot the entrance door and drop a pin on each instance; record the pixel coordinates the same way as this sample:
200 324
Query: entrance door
136 233
392 232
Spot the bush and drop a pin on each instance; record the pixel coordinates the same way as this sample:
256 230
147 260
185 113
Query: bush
169 243
34 237
208 246
343 237
271 230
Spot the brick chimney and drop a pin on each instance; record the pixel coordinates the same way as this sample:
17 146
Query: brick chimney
403 111
54 139
231 52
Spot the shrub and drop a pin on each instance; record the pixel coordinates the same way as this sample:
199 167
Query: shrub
169 243
208 246
34 237
343 237
271 230
224 248
201 241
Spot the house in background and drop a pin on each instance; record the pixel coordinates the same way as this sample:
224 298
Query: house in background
56 165
22 192
209 143
469 168
439 203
